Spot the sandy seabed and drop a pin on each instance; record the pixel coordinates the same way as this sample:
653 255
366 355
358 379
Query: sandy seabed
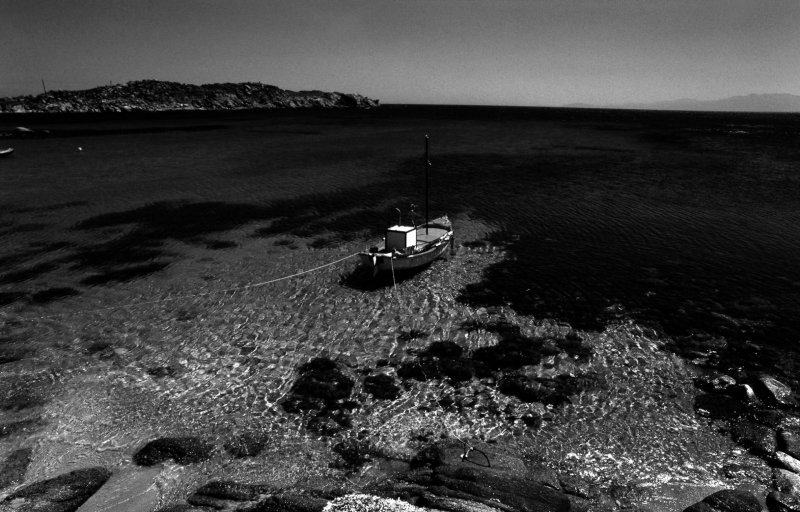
216 364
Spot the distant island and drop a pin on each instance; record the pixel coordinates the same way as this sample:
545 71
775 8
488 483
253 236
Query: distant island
156 95
748 103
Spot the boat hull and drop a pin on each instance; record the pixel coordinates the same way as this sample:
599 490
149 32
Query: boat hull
6 152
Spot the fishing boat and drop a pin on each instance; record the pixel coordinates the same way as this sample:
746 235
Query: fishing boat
408 247
6 151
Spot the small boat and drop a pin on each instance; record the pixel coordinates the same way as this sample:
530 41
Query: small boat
6 151
410 247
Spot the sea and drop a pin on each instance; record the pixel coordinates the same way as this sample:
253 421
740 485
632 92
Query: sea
688 222
143 257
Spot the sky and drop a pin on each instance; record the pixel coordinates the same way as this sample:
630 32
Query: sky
498 52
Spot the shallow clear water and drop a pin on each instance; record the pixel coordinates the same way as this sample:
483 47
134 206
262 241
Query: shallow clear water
686 220
683 222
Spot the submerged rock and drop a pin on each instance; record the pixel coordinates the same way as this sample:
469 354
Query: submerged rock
247 445
323 390
183 450
64 493
15 427
321 384
381 386
13 469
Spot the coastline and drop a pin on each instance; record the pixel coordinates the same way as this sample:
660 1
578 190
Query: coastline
588 438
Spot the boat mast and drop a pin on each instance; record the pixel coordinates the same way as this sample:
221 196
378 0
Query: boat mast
427 168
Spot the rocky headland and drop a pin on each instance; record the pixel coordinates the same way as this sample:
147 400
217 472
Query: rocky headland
159 96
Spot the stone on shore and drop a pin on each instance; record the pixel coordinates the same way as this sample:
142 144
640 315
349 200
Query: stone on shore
460 475
773 391
759 439
789 442
786 481
64 493
368 503
715 382
727 500
788 461
183 450
783 502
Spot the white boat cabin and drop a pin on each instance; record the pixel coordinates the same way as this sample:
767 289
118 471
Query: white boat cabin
401 238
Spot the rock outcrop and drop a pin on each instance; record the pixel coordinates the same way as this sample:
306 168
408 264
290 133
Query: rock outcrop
155 95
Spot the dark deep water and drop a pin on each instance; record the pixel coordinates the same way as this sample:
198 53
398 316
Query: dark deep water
687 222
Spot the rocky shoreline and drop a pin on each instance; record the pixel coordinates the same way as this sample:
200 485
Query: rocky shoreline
364 418
159 96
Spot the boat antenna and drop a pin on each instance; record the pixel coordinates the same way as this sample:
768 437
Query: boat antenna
427 168
399 217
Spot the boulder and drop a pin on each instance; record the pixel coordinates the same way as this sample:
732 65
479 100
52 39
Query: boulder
789 442
715 382
743 392
773 391
477 474
368 503
786 481
64 493
759 439
787 461
183 450
783 502
727 500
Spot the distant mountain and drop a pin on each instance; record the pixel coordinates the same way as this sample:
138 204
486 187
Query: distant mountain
748 103
155 95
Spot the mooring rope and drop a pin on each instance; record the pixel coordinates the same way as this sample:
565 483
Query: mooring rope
194 295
